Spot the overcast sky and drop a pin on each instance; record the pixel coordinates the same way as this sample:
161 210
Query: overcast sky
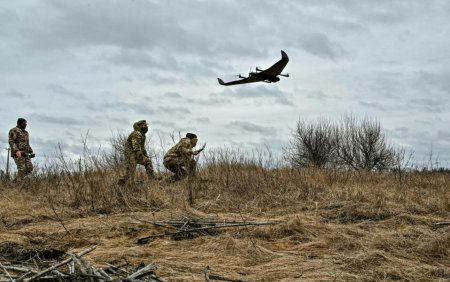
73 67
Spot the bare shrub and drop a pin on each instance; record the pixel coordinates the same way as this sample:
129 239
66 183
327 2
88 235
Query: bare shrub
115 157
350 144
362 145
312 145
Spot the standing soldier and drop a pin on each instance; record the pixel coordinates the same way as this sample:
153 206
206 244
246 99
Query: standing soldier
135 153
179 158
21 151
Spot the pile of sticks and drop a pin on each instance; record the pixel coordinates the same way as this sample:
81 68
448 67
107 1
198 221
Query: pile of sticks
189 226
75 268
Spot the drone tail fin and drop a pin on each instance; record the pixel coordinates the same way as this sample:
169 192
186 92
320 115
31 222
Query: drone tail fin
221 81
284 56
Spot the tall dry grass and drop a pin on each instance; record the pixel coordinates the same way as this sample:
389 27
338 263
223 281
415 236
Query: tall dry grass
232 181
364 225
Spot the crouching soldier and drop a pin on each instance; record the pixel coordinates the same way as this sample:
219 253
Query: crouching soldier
179 158
135 154
21 150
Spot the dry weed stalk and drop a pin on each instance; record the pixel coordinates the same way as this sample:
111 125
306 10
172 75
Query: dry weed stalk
361 226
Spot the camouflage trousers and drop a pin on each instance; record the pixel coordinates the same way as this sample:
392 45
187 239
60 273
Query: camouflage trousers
24 166
130 168
181 168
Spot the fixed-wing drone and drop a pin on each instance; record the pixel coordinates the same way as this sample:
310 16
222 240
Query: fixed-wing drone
269 75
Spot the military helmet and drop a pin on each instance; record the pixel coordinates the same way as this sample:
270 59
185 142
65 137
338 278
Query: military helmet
191 135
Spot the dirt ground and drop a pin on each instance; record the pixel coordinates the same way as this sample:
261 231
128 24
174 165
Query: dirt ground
304 247
349 236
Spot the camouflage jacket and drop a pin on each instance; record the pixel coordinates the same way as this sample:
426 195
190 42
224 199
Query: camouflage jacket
182 151
136 143
19 141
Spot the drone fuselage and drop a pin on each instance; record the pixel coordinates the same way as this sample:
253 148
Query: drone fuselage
265 76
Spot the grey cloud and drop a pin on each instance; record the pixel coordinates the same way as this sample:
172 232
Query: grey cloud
53 147
427 80
41 146
258 92
374 105
172 95
429 105
384 83
163 67
151 26
166 124
319 95
320 45
165 79
55 119
446 7
174 110
15 94
117 120
203 120
427 102
7 20
127 79
428 122
399 132
139 108
252 127
135 59
444 135
61 90
212 99
384 12
100 23
70 134
130 25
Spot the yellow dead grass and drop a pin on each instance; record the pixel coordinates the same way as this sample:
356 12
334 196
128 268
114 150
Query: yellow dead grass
336 226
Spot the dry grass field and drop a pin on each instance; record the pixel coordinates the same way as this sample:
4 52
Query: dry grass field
328 225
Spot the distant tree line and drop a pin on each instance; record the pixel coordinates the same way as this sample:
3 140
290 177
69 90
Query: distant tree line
350 143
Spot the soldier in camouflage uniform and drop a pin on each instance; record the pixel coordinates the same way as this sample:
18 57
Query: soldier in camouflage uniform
179 158
135 153
20 148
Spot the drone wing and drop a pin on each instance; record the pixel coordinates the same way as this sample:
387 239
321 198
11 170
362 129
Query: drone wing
278 67
241 81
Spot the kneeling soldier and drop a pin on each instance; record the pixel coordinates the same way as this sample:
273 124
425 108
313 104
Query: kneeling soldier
179 158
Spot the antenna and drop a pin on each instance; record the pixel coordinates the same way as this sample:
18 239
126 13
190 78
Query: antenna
7 163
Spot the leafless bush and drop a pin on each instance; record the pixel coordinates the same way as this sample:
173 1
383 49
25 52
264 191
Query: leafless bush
115 157
312 145
362 145
349 144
